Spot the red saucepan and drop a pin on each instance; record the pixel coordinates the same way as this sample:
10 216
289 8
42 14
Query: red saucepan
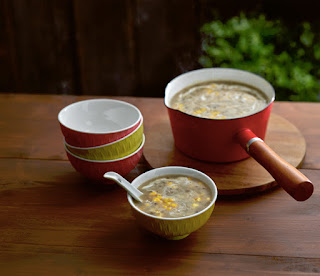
229 140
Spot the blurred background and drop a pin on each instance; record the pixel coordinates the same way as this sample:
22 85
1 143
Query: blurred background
135 47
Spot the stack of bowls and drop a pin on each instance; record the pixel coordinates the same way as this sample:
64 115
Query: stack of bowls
102 135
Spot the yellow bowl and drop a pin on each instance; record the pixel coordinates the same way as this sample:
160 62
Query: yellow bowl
115 150
95 169
173 228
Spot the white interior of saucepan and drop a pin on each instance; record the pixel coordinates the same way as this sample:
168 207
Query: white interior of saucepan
174 170
217 74
99 116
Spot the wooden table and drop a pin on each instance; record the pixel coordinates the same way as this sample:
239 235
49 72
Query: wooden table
55 222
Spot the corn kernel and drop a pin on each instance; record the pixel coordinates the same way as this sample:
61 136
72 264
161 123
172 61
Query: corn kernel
153 194
156 199
174 205
180 107
208 198
147 204
198 199
168 208
170 183
199 111
215 113
195 205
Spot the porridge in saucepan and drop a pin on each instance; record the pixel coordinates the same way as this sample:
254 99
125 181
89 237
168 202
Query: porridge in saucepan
174 196
219 100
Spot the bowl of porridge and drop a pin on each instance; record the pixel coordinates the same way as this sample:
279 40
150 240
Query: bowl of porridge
176 201
221 115
208 107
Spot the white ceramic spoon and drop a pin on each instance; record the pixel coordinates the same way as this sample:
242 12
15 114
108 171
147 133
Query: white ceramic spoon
133 191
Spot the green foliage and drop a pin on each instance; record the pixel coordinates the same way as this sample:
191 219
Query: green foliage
288 59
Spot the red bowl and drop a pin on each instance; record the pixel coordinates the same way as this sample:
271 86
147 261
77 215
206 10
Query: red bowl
95 170
96 122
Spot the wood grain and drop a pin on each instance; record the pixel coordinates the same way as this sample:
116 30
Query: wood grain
106 53
42 46
127 47
166 43
50 213
44 109
243 177
53 221
7 57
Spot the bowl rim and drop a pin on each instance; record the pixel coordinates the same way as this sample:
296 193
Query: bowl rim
107 144
107 161
167 169
60 114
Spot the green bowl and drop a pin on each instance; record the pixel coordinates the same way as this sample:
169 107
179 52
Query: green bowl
115 150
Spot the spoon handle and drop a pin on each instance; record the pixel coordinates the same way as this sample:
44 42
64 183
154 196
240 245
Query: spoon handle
133 191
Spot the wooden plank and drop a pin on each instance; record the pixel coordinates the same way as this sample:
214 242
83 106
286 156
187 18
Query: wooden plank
243 177
229 8
306 117
7 61
96 261
47 207
24 117
183 30
43 44
30 127
106 52
166 43
52 220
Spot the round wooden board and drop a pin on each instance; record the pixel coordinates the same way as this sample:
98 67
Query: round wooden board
242 177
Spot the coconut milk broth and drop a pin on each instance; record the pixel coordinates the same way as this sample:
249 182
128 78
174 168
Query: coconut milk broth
174 196
219 100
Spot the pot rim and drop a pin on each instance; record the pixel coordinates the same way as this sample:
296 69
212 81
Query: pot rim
189 73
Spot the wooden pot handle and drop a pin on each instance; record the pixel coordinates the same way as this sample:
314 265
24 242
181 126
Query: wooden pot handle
287 176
